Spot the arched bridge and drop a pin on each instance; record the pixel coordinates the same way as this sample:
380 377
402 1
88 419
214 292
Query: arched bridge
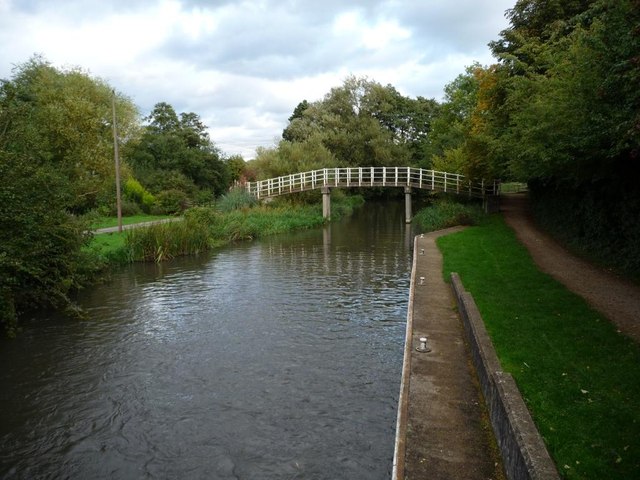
362 177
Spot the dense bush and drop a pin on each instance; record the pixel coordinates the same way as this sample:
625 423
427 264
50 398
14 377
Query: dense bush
445 212
134 191
170 202
40 242
599 221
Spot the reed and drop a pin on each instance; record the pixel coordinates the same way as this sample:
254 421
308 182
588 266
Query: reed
167 240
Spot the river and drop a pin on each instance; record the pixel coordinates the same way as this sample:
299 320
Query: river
273 359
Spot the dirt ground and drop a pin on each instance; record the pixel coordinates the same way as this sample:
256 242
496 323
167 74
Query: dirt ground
616 298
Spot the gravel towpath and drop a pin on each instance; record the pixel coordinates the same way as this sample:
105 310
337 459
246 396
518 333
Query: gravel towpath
615 298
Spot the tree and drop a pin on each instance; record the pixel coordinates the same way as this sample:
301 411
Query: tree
360 123
298 113
64 118
451 125
237 168
56 156
563 113
175 153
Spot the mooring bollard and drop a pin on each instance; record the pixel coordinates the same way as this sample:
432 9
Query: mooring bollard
423 345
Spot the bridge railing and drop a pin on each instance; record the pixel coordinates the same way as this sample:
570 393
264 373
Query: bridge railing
348 177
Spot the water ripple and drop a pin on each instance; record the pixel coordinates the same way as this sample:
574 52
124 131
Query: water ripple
274 359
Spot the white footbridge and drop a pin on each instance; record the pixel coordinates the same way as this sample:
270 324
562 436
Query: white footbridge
370 177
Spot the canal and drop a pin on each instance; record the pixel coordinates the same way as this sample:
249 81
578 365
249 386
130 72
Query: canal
274 359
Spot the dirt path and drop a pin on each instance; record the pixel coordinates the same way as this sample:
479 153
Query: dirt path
136 225
615 298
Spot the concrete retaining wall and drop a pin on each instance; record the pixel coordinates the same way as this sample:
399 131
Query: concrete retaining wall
523 452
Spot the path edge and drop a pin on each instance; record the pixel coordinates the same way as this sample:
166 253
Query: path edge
403 400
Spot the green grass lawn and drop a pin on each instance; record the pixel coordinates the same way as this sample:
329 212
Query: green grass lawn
105 222
580 377
109 248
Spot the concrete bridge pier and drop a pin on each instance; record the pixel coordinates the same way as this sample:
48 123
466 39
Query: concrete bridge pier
326 203
407 204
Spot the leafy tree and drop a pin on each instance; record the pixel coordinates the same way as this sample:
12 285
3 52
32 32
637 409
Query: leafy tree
298 112
292 157
175 153
360 123
452 123
561 111
64 118
534 23
56 156
237 168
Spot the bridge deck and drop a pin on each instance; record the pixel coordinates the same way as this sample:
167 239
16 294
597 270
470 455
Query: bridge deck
370 177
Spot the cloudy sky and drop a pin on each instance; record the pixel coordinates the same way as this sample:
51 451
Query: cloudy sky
243 65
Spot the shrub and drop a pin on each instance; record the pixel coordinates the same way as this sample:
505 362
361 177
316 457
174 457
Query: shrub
135 192
444 213
170 202
203 215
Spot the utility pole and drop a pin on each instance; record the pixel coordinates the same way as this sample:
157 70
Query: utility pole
117 161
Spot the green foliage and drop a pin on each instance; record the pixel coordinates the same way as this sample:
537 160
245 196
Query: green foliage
293 157
265 220
206 227
56 158
175 153
360 123
134 191
63 118
561 111
40 242
446 212
604 221
579 377
235 199
170 202
237 168
164 241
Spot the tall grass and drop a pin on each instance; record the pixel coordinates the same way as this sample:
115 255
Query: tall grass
235 199
445 212
207 227
164 241
580 378
263 220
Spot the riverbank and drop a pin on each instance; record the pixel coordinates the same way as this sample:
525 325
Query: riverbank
579 376
204 228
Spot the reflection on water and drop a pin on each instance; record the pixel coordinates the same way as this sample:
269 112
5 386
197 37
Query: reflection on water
272 359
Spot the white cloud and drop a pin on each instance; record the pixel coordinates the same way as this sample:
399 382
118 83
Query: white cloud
244 65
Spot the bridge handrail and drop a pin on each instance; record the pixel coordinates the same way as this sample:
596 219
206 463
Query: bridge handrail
371 177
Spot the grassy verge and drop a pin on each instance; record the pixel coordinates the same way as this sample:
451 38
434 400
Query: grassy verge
579 377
